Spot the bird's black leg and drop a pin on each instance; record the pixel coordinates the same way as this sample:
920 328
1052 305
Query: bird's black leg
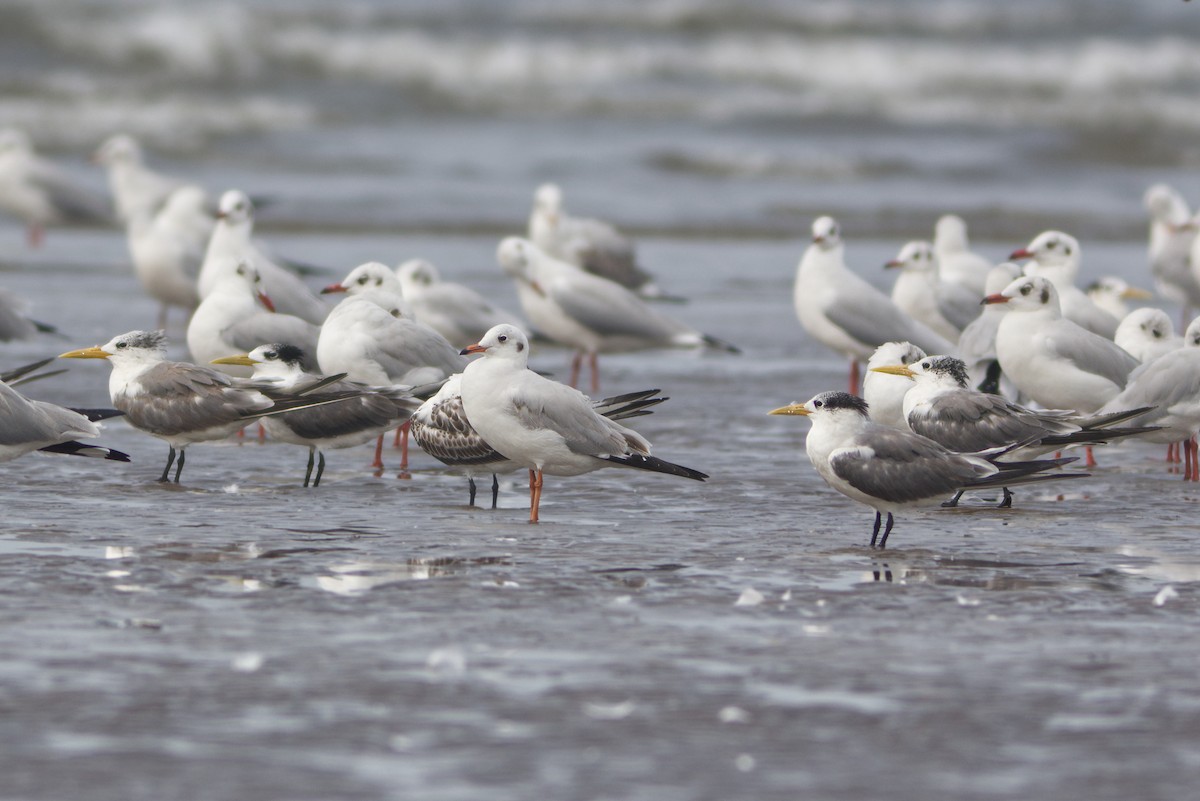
320 468
165 477
875 531
1007 502
887 530
179 464
471 487
308 470
953 502
495 489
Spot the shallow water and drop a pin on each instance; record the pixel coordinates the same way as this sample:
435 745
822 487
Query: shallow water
239 636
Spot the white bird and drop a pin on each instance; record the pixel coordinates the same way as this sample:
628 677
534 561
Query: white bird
177 402
1147 334
977 343
592 245
957 264
363 414
237 315
590 313
542 425
940 405
137 191
891 470
1056 256
232 239
947 308
1171 250
15 322
885 393
167 249
844 312
1171 385
39 193
32 425
1112 294
1053 361
441 428
455 311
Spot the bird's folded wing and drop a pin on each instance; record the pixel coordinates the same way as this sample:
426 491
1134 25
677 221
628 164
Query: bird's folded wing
901 468
1091 353
569 413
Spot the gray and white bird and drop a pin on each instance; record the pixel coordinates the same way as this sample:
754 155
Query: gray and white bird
15 322
1170 250
977 343
1147 334
39 193
1056 256
844 312
177 402
167 249
455 311
1113 293
885 393
946 307
543 425
363 413
591 314
891 470
592 245
137 191
28 425
957 263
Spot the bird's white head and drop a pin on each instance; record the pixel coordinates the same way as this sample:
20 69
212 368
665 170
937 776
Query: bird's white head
118 149
235 208
1051 249
134 346
826 233
1029 293
515 256
548 199
830 406
1165 204
945 371
915 256
373 276
1149 324
892 353
415 274
950 234
277 360
502 341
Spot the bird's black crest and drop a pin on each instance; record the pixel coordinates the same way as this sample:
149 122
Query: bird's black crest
288 354
948 365
841 400
153 340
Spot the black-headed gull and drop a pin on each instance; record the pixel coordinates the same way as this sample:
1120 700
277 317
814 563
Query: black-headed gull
891 470
1057 256
591 314
543 425
1147 334
977 343
844 312
947 308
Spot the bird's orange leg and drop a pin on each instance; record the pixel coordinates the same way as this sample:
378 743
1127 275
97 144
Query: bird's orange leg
854 376
593 360
535 496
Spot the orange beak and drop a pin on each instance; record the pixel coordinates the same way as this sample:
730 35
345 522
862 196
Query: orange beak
333 288
472 349
997 298
266 301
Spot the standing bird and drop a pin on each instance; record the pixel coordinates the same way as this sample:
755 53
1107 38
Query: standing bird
177 402
885 393
1056 256
591 314
137 191
957 264
455 311
977 343
591 245
891 470
364 414
1147 334
543 425
845 313
39 194
441 428
232 239
167 249
947 308
31 425
1171 250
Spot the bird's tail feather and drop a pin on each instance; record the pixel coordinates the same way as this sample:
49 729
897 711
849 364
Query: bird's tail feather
73 448
644 462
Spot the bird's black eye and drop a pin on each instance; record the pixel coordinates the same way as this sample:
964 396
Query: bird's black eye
122 345
502 338
1051 245
924 365
1025 290
818 404
241 270
363 279
271 355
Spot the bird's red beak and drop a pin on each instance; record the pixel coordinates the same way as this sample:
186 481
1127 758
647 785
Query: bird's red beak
889 265
1021 253
333 288
997 298
266 301
472 349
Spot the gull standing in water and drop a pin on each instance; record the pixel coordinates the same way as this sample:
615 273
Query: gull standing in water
591 314
363 414
441 428
39 194
177 402
31 425
1056 256
947 308
167 249
455 311
891 470
845 313
542 425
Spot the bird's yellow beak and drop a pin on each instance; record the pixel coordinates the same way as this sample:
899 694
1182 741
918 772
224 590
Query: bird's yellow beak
242 359
85 353
1136 293
791 408
894 369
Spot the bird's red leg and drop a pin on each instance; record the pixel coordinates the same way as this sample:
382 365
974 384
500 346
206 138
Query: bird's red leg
535 498
576 362
1090 460
1187 459
36 235
378 461
593 360
854 376
404 444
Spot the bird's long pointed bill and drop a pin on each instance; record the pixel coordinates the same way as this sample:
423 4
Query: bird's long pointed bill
266 301
893 264
1136 293
997 298
471 349
1021 253
894 369
242 359
85 353
791 408
333 288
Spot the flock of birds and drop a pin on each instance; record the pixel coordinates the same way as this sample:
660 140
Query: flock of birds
979 375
